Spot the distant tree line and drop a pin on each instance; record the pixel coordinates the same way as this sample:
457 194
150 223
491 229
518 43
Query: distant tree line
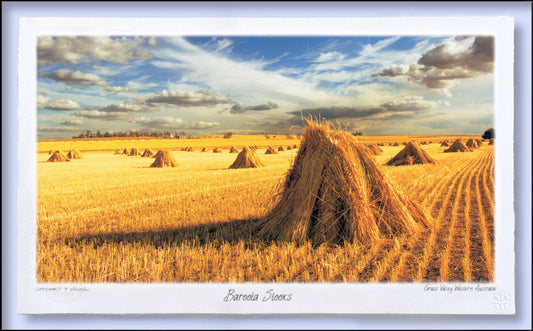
131 133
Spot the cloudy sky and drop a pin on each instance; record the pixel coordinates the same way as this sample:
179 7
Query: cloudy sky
211 85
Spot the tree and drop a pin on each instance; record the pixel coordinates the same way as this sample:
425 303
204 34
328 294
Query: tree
98 133
228 134
488 134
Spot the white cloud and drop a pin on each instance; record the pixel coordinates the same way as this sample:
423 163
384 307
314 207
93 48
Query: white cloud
78 49
46 102
443 65
76 77
173 123
228 76
188 99
411 103
96 114
371 49
330 56
71 122
136 105
119 89
57 129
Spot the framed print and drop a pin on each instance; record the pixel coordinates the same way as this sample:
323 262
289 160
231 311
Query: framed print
266 166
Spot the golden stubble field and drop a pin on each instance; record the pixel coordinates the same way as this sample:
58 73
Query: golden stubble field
112 218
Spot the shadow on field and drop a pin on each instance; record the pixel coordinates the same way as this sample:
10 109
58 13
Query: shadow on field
214 235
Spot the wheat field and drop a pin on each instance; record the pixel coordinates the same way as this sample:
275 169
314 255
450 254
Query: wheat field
112 218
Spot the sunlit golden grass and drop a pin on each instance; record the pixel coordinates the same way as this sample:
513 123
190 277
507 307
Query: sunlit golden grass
112 218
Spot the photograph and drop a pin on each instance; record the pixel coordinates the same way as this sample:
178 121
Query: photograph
245 166
265 159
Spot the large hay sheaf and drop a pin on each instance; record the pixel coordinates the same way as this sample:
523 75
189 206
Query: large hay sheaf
457 146
412 153
335 192
247 159
444 144
57 156
74 154
164 159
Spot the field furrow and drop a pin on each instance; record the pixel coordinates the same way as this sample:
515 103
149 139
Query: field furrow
481 253
432 262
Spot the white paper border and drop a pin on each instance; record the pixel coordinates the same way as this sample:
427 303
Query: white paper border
307 298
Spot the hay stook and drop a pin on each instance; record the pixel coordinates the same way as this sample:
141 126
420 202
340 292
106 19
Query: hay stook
336 193
148 153
74 154
271 150
457 146
57 156
134 152
247 158
164 159
411 154
471 143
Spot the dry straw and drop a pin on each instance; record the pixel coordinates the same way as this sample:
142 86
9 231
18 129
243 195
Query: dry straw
289 148
271 150
125 151
148 153
204 149
247 159
457 146
444 144
375 149
471 143
74 154
118 151
233 150
217 150
164 159
281 149
335 192
157 154
491 141
412 153
134 152
57 156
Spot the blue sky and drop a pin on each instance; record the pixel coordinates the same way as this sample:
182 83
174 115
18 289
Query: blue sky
252 85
